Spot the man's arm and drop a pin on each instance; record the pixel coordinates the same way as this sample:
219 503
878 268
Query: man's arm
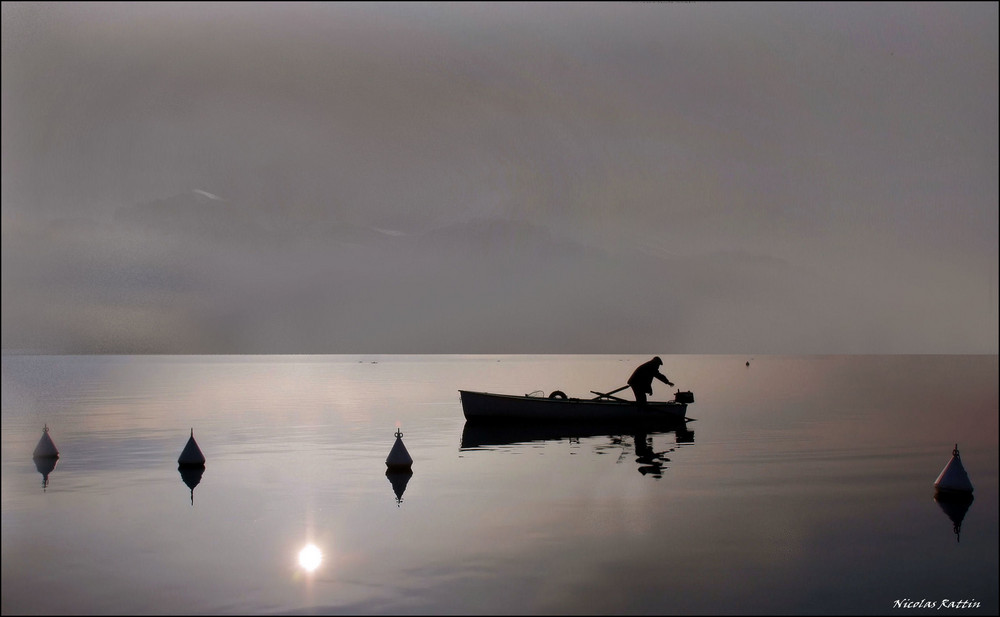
663 378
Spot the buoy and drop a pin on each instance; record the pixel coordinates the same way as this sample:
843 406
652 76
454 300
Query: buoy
45 447
953 481
398 457
191 456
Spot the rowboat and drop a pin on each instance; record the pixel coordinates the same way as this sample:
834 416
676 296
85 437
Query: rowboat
486 405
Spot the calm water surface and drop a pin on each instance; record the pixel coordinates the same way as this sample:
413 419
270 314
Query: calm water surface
803 486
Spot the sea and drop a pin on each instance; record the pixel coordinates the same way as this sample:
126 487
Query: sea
801 485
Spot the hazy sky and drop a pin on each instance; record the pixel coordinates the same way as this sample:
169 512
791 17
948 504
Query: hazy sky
500 178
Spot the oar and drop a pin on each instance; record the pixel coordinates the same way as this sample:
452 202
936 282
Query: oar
601 395
608 397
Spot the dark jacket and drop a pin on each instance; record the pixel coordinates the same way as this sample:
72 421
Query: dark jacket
642 377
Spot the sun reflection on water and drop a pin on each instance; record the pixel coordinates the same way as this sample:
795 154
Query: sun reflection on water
310 557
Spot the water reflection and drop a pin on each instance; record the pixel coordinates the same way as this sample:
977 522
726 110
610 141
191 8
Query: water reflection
45 467
191 477
398 478
310 557
955 506
632 438
650 461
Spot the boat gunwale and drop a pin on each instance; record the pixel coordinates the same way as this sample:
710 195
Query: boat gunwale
577 401
492 406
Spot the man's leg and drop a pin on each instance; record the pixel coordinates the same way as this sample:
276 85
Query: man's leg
640 395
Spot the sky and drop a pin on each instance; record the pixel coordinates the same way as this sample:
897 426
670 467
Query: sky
788 178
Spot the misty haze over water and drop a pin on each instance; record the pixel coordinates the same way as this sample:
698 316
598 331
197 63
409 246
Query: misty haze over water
485 178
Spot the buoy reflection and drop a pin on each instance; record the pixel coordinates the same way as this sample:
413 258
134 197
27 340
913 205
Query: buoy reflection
310 557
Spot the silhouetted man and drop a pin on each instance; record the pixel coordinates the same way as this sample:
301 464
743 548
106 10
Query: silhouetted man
642 379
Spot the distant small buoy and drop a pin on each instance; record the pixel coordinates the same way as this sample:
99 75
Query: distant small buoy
45 447
398 457
748 363
953 479
191 456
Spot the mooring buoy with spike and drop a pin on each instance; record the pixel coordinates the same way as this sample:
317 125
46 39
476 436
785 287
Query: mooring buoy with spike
191 456
953 479
45 447
398 457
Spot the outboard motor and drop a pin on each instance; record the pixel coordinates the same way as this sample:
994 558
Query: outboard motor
684 397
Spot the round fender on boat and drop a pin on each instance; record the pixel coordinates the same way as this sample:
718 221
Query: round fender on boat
557 394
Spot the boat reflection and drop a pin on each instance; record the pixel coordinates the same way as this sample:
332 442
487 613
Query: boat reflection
191 477
635 438
45 466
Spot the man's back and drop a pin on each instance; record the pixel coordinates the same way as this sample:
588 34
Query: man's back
644 374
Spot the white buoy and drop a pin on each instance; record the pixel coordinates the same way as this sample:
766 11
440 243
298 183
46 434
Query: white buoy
191 456
45 447
953 479
398 457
